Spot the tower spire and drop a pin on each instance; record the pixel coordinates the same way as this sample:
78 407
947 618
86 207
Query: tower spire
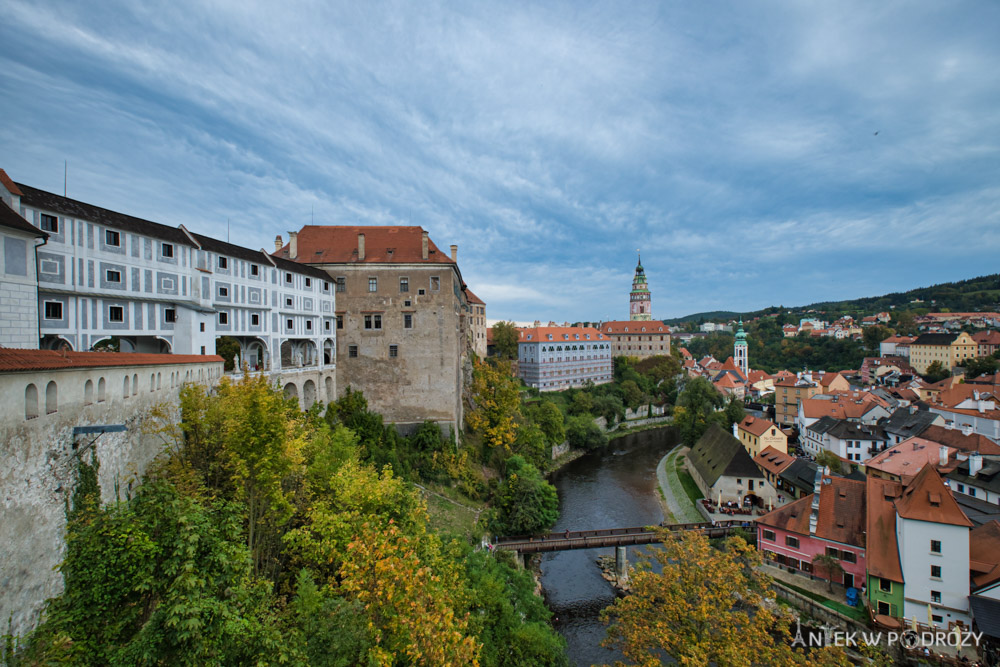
640 301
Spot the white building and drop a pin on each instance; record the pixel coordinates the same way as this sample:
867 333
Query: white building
162 289
557 358
18 280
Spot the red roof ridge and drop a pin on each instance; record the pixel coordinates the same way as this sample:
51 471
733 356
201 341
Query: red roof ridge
10 184
13 360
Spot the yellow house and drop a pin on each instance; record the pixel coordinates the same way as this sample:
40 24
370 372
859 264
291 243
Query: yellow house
951 349
789 392
758 434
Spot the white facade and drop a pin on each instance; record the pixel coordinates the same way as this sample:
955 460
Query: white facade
157 288
981 424
947 594
18 279
557 358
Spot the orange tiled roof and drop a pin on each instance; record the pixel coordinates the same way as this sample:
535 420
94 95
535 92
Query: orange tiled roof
881 550
473 298
629 326
13 360
974 442
928 499
772 460
841 515
338 244
11 186
984 553
908 457
560 334
756 425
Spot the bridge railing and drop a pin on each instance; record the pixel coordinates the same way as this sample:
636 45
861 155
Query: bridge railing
608 532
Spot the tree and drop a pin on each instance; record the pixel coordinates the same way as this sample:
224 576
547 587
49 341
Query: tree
829 564
936 372
505 337
981 366
874 335
228 347
524 503
696 409
583 433
550 419
703 607
631 394
496 405
828 459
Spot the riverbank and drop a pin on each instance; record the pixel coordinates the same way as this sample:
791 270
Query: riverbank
679 508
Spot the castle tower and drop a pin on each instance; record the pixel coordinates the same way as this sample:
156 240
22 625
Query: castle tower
640 302
740 351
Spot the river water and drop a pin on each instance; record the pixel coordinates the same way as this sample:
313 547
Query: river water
613 488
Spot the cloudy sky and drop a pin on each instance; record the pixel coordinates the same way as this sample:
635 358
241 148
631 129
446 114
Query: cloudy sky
758 153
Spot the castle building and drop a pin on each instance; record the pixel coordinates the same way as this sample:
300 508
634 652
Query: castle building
640 301
637 339
405 320
740 351
557 358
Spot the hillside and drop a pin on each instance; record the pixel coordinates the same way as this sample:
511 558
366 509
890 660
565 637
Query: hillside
974 294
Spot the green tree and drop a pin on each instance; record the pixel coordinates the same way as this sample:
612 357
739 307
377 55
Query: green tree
505 337
228 348
829 564
981 366
874 335
581 403
583 433
524 502
550 419
936 372
696 409
496 404
828 459
631 394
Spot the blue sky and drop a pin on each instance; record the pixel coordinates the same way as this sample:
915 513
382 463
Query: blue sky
758 152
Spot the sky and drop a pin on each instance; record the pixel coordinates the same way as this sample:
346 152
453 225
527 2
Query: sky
758 153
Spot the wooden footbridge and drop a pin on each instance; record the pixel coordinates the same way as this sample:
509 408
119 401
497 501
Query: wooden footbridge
613 537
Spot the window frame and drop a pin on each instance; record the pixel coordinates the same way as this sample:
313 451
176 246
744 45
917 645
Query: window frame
372 284
352 351
109 279
394 351
404 284
223 262
121 316
170 315
48 223
111 233
166 250
223 318
45 309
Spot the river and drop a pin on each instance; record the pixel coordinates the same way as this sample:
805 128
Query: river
615 487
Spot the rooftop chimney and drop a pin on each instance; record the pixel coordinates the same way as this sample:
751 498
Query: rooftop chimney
942 455
361 247
423 245
975 463
454 253
966 429
278 243
293 245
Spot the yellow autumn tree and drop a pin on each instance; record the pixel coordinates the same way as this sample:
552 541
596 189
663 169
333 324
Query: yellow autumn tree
411 596
496 404
704 607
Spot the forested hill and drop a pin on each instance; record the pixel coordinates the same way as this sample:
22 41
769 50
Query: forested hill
974 294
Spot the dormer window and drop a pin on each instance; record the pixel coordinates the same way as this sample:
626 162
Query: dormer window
549 336
528 336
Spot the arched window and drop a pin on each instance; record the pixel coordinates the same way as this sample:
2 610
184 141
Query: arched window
101 390
30 401
125 393
135 384
152 382
159 380
51 398
88 392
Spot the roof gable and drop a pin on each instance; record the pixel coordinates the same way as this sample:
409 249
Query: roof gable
338 244
928 499
717 454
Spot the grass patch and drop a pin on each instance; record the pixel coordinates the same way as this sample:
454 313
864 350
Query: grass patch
850 612
687 481
447 517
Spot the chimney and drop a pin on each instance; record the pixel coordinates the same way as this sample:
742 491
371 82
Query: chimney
913 409
966 429
278 243
454 253
736 431
817 488
361 247
942 456
423 245
293 245
975 463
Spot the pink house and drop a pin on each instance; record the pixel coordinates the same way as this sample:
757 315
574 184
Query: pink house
829 521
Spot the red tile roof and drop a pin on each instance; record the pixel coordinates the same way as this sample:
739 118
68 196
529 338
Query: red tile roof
984 554
338 244
10 219
756 425
841 515
928 499
473 298
560 335
773 461
11 186
882 551
629 326
14 360
974 442
907 458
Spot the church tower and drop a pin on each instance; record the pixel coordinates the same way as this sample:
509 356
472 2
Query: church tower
640 302
740 351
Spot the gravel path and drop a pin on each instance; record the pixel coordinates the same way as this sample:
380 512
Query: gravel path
680 506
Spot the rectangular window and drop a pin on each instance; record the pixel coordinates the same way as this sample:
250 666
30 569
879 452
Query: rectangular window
340 321
883 608
341 284
848 556
378 321
936 596
289 301
326 286
167 249
404 285
935 571
368 321
169 315
223 318
116 314
289 324
372 284
767 535
937 618
935 546
254 270
791 541
203 350
407 320
435 283
833 551
309 325
53 310
288 278
223 262
421 291
50 223
309 282
201 327
254 320
885 585
112 238
393 351
223 291
352 351
326 324
113 276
